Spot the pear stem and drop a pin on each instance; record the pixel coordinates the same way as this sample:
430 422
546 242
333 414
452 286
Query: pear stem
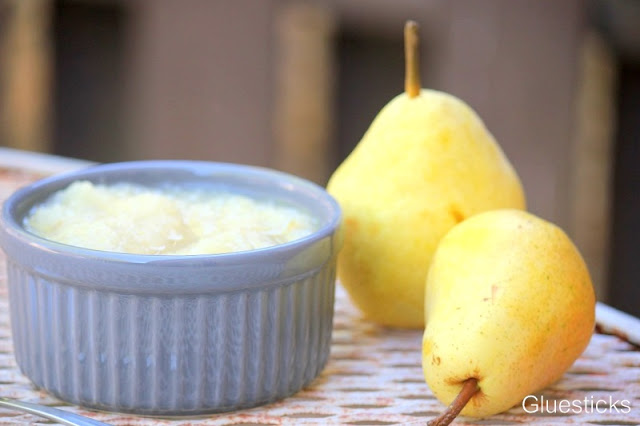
469 388
412 83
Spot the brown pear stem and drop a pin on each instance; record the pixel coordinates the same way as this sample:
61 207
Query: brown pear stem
469 388
412 83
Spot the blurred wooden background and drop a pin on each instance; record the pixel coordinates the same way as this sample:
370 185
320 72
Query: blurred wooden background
293 85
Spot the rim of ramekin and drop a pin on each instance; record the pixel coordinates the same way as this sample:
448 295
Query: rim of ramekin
16 235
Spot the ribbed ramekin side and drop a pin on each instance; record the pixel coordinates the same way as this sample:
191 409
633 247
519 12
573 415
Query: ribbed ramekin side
19 317
54 331
33 332
168 354
275 342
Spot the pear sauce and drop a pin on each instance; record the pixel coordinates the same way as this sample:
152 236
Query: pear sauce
131 218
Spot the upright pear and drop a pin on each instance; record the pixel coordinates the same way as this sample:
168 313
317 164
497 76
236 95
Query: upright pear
426 163
509 307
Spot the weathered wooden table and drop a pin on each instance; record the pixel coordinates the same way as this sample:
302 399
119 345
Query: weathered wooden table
374 375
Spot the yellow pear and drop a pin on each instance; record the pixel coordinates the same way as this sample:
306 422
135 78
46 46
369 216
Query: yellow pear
509 306
426 163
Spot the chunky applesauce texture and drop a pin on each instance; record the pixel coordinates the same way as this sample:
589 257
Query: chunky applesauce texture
130 218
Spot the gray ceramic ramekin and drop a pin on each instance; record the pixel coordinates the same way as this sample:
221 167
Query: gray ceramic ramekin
173 335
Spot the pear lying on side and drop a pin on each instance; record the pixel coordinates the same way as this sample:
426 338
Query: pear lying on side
426 163
509 307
